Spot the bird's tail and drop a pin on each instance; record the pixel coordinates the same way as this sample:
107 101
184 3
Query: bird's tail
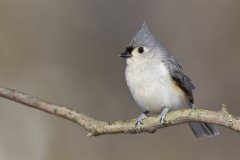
201 129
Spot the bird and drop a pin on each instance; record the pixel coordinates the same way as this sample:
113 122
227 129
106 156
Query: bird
156 81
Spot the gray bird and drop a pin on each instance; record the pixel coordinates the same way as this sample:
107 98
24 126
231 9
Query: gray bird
157 82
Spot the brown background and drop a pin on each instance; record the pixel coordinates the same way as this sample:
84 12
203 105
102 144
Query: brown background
66 52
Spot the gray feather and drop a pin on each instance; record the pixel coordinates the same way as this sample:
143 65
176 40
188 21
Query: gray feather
176 73
201 129
145 38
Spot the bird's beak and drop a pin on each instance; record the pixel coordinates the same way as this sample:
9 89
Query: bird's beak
125 55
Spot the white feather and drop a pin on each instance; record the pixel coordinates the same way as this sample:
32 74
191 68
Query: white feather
151 85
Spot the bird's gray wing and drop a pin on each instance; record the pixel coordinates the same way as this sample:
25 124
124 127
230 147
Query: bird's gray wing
176 73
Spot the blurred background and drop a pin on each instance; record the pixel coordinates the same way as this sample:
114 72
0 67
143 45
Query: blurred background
67 52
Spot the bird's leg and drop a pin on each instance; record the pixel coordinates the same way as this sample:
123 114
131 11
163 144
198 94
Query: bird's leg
163 115
140 119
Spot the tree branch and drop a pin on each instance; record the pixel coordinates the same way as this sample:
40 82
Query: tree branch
151 124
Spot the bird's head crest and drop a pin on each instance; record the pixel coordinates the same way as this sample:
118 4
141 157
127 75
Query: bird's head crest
143 37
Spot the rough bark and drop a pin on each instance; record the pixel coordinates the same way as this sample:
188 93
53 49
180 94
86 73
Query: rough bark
150 124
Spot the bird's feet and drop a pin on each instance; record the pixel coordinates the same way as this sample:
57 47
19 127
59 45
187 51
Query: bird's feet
139 120
163 115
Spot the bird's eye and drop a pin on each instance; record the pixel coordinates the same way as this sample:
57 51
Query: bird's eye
140 50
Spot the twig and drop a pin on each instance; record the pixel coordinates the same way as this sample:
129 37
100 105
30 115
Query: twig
151 124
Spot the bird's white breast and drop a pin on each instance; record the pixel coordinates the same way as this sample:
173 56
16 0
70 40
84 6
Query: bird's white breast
152 87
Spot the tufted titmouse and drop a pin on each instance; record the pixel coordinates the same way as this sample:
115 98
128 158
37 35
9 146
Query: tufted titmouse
157 82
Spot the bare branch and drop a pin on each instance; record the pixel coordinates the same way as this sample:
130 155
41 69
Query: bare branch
151 124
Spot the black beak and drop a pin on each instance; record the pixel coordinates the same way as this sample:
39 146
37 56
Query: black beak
125 55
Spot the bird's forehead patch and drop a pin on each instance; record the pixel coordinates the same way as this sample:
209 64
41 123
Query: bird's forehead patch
129 49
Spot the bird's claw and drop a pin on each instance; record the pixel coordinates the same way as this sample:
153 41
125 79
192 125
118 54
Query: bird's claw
138 125
163 115
139 121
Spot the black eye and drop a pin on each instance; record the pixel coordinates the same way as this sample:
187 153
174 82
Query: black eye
140 50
